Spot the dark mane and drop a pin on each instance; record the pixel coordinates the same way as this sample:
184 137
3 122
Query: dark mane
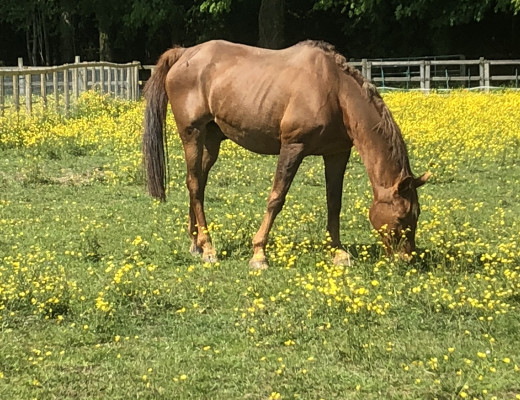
387 127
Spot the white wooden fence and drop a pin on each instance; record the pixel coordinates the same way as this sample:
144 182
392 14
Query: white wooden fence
61 86
441 74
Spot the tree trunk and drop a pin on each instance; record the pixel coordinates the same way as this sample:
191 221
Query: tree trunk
28 44
46 41
39 37
34 48
67 50
105 52
515 31
271 24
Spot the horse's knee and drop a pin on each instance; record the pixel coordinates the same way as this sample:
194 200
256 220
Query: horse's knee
194 185
275 203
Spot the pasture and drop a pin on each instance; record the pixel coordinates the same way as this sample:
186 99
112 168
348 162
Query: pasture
101 299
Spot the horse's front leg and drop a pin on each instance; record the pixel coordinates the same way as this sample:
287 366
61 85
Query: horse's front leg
335 165
198 167
291 156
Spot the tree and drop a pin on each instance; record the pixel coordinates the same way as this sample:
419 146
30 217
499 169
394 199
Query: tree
437 22
36 18
271 23
108 17
120 30
161 22
271 19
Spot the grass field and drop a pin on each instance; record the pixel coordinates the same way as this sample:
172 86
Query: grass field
100 298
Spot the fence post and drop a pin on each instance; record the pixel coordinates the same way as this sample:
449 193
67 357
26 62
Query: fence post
463 66
16 93
136 80
102 79
1 95
114 71
119 82
75 79
484 73
481 71
56 91
128 84
130 79
93 77
364 67
16 86
28 93
84 79
421 75
109 80
427 76
487 79
66 94
43 89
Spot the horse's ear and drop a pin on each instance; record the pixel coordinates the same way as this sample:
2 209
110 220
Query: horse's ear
405 185
412 183
418 182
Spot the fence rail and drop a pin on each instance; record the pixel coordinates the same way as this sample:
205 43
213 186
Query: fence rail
63 84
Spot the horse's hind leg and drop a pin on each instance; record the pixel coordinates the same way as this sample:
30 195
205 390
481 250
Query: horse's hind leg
335 165
201 148
290 158
210 151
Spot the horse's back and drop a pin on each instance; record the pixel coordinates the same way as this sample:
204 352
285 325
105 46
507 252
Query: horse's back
259 97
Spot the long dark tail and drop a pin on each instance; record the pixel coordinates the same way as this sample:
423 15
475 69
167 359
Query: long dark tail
154 146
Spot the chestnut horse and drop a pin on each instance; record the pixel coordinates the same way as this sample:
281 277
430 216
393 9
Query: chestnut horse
300 101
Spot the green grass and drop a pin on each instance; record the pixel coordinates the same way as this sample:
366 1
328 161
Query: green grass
100 298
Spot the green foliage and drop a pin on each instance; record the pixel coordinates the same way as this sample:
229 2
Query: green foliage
139 29
453 13
215 7
445 13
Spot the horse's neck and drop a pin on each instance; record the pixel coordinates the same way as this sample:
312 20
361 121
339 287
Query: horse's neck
383 171
384 168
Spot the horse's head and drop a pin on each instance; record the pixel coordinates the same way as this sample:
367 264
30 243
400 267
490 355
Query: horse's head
394 213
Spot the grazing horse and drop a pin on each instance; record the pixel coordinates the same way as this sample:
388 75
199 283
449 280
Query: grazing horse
299 101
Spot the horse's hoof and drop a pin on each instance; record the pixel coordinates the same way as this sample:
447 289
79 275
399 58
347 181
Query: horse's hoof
258 265
195 250
343 259
210 258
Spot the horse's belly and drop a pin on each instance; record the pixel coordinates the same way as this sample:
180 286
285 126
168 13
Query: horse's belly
255 141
